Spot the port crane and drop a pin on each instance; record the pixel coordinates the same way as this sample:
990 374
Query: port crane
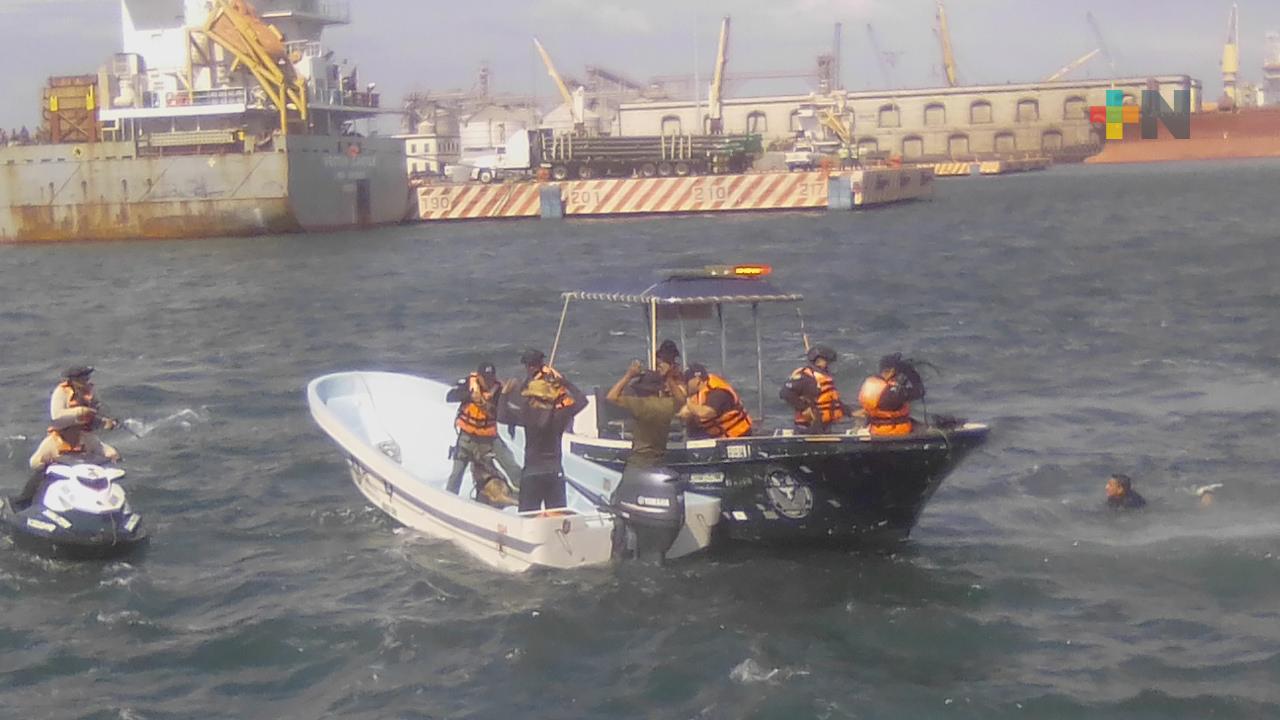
576 99
1071 66
715 106
948 54
885 60
1102 44
1231 60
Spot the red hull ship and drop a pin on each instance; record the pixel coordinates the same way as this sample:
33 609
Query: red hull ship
1247 133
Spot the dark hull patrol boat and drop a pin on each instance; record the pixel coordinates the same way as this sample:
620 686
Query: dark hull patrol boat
774 486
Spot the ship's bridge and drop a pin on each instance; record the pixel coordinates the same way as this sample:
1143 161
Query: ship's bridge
324 12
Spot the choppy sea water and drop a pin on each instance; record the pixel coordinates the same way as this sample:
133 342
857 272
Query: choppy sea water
1101 319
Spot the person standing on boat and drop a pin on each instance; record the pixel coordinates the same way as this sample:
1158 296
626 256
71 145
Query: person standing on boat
536 369
714 408
811 392
886 396
478 444
653 397
74 397
66 436
545 408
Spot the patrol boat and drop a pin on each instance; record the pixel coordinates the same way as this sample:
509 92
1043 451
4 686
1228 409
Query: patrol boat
82 514
774 486
396 430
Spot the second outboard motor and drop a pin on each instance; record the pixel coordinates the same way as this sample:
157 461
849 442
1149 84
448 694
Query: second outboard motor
651 503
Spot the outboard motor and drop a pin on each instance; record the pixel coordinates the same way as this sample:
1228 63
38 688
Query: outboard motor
651 504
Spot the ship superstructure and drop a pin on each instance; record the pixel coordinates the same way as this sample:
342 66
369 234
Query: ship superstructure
217 118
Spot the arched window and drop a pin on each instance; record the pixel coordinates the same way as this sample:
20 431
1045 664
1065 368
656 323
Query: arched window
1130 98
912 147
1075 108
757 123
889 116
958 145
1051 140
868 146
935 114
793 122
980 112
671 125
1005 142
1028 110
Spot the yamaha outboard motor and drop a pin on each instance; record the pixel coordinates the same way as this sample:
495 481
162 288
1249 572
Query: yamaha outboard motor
651 504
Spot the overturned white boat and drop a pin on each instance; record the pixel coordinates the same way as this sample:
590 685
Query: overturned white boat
396 431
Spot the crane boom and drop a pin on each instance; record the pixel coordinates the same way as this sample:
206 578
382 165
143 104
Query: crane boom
1231 56
1102 44
714 105
944 37
883 59
1069 67
551 70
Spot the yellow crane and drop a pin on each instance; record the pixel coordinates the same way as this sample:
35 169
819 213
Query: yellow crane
1071 66
259 48
944 37
1231 59
715 109
575 99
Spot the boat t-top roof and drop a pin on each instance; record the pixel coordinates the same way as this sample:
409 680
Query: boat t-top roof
717 284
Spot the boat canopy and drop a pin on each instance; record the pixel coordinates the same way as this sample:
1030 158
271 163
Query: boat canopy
682 288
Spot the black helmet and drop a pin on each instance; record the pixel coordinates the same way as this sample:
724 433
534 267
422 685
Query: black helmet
821 351
667 352
696 370
532 358
487 370
890 362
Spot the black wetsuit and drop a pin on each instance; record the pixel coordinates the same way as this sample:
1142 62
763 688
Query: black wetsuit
542 479
1130 500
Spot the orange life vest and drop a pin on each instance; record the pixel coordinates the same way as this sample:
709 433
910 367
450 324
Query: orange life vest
883 422
65 447
553 376
476 418
733 422
76 399
830 409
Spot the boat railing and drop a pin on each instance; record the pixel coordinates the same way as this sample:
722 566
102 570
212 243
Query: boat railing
216 96
304 48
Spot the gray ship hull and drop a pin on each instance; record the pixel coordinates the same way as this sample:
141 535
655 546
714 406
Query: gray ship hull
107 190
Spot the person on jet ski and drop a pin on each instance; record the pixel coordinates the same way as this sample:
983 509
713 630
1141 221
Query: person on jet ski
66 436
811 392
75 396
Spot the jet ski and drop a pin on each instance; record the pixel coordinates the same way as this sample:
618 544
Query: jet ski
82 513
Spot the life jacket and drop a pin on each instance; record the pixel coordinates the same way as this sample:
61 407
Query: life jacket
65 447
476 418
553 376
830 409
77 399
733 422
883 422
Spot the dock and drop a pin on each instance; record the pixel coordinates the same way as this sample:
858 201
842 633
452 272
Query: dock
990 167
743 192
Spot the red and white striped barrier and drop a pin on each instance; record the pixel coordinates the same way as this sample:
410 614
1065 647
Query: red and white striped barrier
714 193
466 202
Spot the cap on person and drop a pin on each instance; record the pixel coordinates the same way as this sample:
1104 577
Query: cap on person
667 351
77 372
647 384
696 370
487 370
532 358
890 362
821 351
540 389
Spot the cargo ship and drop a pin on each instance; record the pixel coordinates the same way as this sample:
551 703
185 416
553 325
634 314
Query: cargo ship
1238 134
217 119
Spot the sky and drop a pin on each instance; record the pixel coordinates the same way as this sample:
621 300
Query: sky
420 45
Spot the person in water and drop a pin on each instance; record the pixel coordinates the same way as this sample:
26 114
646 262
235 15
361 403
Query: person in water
544 404
653 397
66 436
1121 495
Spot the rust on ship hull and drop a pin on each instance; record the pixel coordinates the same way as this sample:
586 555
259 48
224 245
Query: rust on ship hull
155 220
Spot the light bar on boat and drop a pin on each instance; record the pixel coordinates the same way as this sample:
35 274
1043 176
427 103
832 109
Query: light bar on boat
738 270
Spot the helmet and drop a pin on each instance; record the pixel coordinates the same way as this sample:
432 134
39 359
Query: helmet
890 362
667 351
696 370
821 351
487 370
532 358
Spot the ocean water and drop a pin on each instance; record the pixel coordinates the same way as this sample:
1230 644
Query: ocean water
1101 319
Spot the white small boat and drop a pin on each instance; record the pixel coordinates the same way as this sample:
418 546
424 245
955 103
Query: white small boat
396 431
